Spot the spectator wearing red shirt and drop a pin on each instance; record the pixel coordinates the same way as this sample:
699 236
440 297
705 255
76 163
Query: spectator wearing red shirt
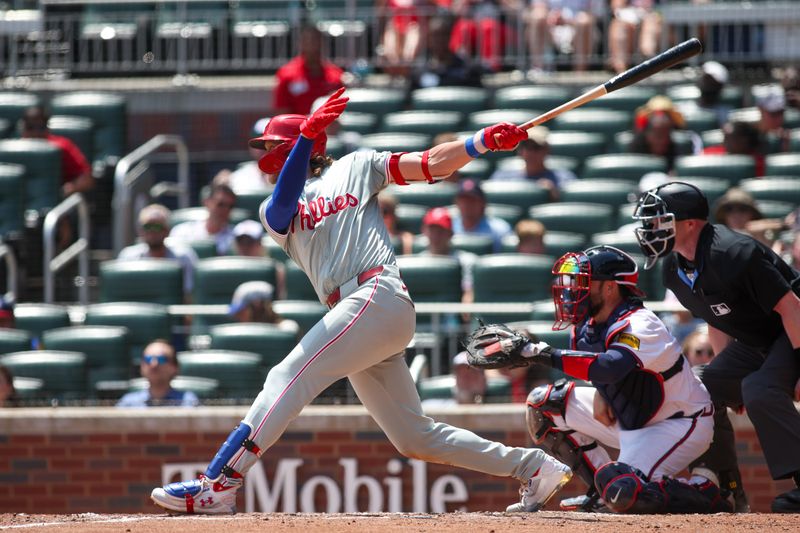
305 77
741 138
76 173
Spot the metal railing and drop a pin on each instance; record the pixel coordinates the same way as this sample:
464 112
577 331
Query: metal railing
80 248
129 177
12 272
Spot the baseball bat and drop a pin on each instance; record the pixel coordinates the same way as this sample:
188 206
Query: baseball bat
664 60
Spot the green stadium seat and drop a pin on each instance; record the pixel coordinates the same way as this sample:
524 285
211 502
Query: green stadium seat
627 99
489 117
113 21
624 214
106 349
476 244
193 21
732 95
730 167
305 312
543 331
791 117
143 280
261 21
783 164
251 200
776 188
580 144
79 130
531 97
426 122
479 168
775 209
267 340
629 167
681 138
108 114
699 119
624 240
336 148
511 278
557 243
553 162
712 137
584 218
605 121
217 278
6 128
28 388
274 250
498 388
523 194
424 194
396 142
713 188
202 387
204 248
14 104
375 100
510 213
409 217
14 340
42 162
544 310
63 373
601 191
145 322
190 214
794 140
36 318
298 286
431 278
362 123
12 187
240 374
463 99
650 280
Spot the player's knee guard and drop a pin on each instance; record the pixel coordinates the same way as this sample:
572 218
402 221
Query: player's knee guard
625 489
543 403
239 438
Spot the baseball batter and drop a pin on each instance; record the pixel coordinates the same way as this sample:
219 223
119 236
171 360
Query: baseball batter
325 215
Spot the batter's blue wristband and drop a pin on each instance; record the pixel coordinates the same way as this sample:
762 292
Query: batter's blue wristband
469 145
475 145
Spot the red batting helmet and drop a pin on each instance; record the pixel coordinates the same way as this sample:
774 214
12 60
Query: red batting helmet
284 128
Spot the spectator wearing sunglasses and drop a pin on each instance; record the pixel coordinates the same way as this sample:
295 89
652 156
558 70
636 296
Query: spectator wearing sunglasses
153 228
216 226
697 347
159 366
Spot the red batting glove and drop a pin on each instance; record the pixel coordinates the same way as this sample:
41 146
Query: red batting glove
503 136
324 116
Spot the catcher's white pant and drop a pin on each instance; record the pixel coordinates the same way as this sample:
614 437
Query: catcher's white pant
661 449
363 338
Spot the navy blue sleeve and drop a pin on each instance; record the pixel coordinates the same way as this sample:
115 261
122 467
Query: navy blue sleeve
282 205
605 367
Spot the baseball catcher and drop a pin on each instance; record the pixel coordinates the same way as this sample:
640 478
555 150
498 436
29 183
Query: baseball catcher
645 400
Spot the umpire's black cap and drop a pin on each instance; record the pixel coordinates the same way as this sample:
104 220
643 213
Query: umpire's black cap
683 200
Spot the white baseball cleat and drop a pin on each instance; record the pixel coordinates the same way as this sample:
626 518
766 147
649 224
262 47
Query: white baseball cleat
550 477
198 496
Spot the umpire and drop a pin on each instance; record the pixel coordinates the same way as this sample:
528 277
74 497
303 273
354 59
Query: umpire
749 297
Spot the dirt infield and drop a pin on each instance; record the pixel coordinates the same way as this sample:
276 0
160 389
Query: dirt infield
546 521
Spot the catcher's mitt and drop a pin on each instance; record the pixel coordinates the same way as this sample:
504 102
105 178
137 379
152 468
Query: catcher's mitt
496 346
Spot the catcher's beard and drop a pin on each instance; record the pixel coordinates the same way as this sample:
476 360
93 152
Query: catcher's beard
595 304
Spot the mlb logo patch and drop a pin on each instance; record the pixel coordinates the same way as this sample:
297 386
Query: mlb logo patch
721 309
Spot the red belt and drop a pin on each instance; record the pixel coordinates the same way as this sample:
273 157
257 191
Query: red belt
336 295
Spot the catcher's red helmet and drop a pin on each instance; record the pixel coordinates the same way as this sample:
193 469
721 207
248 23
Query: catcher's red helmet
284 128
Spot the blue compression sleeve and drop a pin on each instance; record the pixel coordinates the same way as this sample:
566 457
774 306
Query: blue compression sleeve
283 202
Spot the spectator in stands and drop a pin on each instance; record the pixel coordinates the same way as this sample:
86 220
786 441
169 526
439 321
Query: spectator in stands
306 77
248 235
217 225
568 25
6 311
772 106
402 35
469 386
437 226
472 217
153 227
741 138
790 81
712 81
388 205
443 66
628 17
534 152
736 209
697 347
653 125
8 395
159 366
247 176
479 30
530 237
252 302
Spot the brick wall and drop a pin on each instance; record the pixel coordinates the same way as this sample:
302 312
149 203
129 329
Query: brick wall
107 460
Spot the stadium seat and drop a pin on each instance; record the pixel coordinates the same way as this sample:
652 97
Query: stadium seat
650 281
791 117
251 200
681 138
598 120
375 100
36 318
584 218
424 194
511 278
361 123
476 244
145 322
794 142
627 99
602 191
193 25
543 331
431 279
14 340
553 162
624 240
202 387
106 23
557 243
783 164
426 122
580 144
28 388
448 98
12 186
479 168
699 119
336 148
730 167
732 95
305 312
523 194
531 97
63 373
240 374
544 310
267 340
775 209
629 167
510 213
143 280
106 349
489 117
713 188
42 162
274 250
624 214
498 388
298 286
409 217
256 22
14 104
188 214
712 137
6 128
108 114
76 129
204 248
396 142
776 188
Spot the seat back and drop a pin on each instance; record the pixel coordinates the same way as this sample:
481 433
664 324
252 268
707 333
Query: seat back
42 162
358 122
531 97
424 195
580 144
629 167
79 130
14 340
375 100
448 98
476 244
240 374
431 278
776 188
574 217
298 286
305 312
267 340
12 186
63 373
216 278
627 99
602 191
523 194
783 165
39 317
106 349
202 387
142 280
108 113
511 278
597 120
728 166
427 122
144 322
396 142
14 104
489 117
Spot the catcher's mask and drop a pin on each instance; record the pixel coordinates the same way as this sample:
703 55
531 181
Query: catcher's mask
284 129
658 209
574 273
